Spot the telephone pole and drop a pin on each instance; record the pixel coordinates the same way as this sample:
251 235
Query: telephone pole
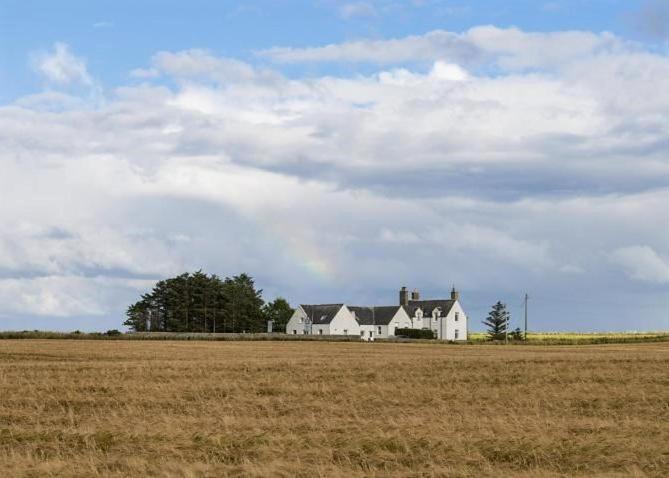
526 297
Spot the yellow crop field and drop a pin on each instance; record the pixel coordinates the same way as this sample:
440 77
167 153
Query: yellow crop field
196 409
584 337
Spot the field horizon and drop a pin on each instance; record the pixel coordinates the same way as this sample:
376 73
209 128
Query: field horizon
176 408
475 338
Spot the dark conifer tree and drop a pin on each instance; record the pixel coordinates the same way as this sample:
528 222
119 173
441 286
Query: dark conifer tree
199 303
279 312
497 321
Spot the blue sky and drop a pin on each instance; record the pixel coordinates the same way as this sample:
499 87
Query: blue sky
118 36
337 150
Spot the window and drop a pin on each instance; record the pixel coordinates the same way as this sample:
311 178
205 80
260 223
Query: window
320 331
457 334
305 332
345 331
294 332
301 320
457 316
362 333
371 333
379 332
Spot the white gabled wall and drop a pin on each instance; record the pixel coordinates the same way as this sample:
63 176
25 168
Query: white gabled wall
449 324
296 322
343 323
400 320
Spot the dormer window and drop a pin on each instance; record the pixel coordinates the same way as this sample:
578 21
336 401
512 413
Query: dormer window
419 314
436 313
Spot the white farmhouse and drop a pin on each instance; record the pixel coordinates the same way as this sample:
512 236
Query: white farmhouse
445 317
324 319
380 322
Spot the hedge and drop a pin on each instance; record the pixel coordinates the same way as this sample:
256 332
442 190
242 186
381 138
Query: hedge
416 333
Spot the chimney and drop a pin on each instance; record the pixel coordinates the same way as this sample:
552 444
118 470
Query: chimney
404 296
455 295
415 295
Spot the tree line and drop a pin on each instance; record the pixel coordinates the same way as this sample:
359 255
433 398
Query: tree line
198 302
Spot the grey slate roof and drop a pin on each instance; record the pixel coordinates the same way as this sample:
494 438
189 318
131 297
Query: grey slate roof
427 306
323 313
374 315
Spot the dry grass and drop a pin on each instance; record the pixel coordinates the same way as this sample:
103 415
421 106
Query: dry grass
127 408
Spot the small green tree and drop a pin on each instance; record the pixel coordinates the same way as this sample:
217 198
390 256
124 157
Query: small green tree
279 312
517 334
497 321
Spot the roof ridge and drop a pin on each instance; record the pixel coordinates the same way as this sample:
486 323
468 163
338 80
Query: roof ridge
320 305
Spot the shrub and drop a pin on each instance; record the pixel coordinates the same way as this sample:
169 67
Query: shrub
416 333
113 332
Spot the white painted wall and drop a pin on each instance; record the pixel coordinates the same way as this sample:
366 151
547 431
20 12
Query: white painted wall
344 323
449 324
400 320
368 332
296 322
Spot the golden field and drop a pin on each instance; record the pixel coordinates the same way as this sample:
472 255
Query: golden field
583 337
188 408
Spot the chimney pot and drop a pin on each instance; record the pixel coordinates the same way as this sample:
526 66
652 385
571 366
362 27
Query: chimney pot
455 295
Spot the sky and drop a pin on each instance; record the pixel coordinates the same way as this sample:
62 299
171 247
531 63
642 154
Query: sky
336 151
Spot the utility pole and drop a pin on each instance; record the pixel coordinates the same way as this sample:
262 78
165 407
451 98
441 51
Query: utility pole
526 297
506 329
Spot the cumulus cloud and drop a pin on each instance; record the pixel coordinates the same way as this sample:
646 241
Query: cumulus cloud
63 296
61 66
642 263
343 188
509 48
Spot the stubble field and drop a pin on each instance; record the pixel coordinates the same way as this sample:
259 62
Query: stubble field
134 408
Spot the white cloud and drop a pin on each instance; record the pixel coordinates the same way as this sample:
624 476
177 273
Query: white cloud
327 188
63 296
61 66
509 48
642 263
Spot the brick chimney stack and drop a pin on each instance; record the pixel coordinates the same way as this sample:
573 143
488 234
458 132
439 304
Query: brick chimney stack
404 296
415 295
455 295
